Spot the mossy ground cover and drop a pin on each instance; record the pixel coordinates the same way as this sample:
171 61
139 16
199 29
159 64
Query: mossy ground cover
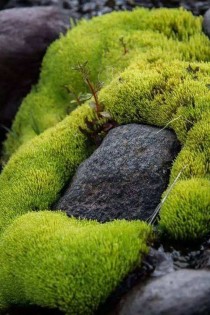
51 260
148 35
163 79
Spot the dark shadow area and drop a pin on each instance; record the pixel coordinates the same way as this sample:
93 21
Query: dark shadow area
31 310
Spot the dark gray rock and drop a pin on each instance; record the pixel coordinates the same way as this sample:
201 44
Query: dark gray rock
184 292
161 261
206 23
125 177
25 35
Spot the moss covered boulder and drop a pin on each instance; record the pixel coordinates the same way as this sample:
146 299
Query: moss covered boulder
148 36
155 68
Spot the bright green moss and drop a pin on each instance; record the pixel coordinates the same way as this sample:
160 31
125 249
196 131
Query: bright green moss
177 24
186 212
174 94
194 159
158 93
50 260
149 35
35 175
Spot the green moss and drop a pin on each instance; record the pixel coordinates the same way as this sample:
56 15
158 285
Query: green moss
161 94
149 35
35 175
186 212
50 260
176 95
158 93
194 159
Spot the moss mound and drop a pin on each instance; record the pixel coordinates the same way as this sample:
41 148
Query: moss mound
177 96
174 94
186 212
163 80
35 175
149 35
50 260
144 92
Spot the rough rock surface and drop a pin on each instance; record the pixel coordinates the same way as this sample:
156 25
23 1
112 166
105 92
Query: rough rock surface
25 35
177 293
125 177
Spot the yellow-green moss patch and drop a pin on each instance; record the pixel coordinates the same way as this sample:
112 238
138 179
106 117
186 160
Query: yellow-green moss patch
50 260
149 35
186 212
35 175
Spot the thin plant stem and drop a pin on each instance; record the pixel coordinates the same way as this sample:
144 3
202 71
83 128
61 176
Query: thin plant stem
153 217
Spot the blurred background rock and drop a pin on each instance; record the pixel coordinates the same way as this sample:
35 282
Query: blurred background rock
87 9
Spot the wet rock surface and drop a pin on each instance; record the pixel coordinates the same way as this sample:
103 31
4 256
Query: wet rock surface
24 37
177 293
125 177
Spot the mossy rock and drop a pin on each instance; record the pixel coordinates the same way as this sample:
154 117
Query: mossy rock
143 93
35 175
149 35
146 85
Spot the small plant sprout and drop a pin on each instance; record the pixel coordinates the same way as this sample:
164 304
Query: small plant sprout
98 127
77 98
124 45
83 69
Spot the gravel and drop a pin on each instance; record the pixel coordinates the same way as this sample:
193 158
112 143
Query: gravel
88 9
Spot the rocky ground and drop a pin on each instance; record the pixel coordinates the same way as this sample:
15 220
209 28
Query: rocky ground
88 9
163 260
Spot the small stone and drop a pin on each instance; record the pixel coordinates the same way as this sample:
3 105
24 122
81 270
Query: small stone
181 265
110 3
88 7
175 255
161 261
105 10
